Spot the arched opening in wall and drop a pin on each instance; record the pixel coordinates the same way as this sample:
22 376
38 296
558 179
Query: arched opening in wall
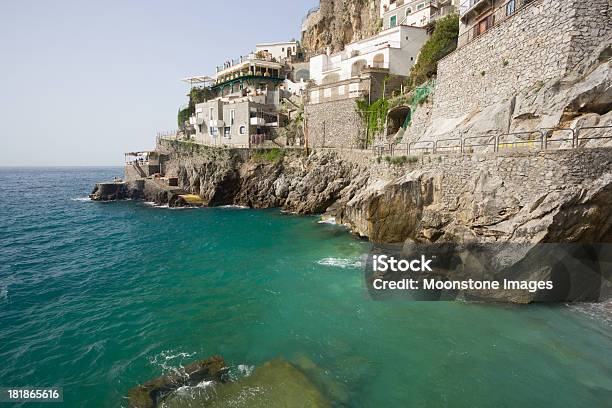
398 119
358 67
331 78
302 74
379 61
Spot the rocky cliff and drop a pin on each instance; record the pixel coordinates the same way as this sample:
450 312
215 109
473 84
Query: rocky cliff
552 196
339 22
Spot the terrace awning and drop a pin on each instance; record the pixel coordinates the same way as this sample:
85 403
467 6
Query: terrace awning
197 80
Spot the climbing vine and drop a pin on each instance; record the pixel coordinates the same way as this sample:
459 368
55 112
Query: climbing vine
373 116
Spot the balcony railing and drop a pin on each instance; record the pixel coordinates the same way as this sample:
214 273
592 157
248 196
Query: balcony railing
508 9
467 5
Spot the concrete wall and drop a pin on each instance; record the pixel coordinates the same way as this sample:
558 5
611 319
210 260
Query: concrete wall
395 49
544 40
241 122
279 51
333 124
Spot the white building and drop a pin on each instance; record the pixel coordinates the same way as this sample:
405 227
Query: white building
414 12
395 50
280 50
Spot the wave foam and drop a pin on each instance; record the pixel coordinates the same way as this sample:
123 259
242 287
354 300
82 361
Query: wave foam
330 221
171 361
340 262
82 199
601 312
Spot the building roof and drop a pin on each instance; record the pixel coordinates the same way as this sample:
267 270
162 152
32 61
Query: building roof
197 80
255 61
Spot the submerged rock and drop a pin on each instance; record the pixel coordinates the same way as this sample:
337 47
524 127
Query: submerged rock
275 384
150 393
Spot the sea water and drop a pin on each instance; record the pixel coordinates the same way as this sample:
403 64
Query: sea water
98 297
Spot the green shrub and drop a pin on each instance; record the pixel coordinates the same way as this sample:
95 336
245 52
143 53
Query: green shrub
271 156
183 116
373 115
442 42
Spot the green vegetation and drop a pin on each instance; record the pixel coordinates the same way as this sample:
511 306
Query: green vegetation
373 116
295 128
442 42
183 116
399 160
271 156
196 95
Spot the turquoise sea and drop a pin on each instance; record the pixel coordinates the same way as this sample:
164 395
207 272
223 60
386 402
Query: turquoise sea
97 297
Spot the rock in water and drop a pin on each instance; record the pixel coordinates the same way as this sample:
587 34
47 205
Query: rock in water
148 394
275 384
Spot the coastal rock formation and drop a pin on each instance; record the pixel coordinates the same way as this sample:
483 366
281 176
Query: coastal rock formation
339 22
276 383
549 196
150 393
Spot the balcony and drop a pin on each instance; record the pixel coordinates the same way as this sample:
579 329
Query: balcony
471 8
495 17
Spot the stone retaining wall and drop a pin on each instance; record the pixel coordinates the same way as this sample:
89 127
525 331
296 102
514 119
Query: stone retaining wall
333 124
544 40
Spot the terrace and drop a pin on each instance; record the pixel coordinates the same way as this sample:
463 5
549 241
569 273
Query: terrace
250 68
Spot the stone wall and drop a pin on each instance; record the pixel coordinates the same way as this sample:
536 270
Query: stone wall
544 40
333 124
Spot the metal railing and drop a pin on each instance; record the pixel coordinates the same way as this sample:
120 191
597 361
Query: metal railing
465 6
540 139
528 143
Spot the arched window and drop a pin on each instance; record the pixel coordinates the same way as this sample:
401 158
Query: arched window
408 11
379 61
242 130
358 67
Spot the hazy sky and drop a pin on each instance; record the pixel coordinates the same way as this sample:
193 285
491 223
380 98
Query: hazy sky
81 82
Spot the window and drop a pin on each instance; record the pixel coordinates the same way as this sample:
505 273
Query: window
510 7
226 132
242 130
211 110
408 10
420 6
393 21
232 117
484 24
213 131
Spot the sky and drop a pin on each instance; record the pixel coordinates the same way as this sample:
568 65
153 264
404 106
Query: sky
82 82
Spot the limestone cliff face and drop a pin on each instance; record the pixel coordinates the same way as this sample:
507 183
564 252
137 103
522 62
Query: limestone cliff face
340 22
553 196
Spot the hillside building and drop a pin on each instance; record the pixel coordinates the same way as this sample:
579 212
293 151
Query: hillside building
417 13
246 97
479 16
281 51
349 73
